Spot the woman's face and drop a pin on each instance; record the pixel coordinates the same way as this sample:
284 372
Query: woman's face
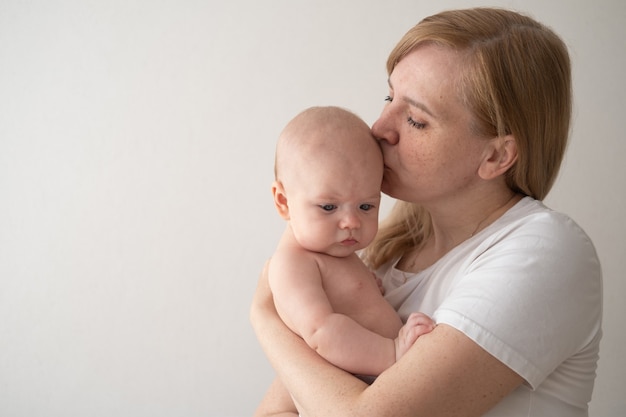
429 149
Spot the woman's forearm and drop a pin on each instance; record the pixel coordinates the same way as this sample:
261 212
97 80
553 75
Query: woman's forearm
277 402
449 374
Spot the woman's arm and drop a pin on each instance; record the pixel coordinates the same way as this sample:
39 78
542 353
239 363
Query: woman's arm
444 374
277 402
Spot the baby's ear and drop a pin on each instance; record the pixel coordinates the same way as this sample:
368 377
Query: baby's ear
280 199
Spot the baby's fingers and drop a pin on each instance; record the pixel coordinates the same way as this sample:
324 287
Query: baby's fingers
417 325
420 319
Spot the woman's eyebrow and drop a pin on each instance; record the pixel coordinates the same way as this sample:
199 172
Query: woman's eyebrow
414 103
419 105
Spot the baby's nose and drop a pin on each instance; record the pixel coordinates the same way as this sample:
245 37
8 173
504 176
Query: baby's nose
350 221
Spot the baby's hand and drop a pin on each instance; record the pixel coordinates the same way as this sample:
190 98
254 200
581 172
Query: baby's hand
418 324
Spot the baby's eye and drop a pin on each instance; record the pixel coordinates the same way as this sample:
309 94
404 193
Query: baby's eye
389 99
366 207
415 124
328 207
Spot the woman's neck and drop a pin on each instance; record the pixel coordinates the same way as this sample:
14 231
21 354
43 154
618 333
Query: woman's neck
455 223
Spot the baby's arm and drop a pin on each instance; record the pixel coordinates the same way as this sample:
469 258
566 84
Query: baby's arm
417 325
302 303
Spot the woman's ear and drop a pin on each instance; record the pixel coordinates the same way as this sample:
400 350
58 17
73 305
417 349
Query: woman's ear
500 157
280 199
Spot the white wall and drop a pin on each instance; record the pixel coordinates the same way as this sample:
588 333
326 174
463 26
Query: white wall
136 152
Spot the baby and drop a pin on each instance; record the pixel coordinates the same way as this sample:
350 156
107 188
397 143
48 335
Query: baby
328 171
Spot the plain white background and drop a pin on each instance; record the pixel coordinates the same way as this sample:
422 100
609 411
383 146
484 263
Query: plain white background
136 155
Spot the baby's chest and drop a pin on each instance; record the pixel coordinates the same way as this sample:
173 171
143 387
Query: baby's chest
349 284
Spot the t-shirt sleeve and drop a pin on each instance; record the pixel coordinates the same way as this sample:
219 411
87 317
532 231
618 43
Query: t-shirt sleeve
531 296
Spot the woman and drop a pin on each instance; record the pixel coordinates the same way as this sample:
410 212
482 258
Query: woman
473 135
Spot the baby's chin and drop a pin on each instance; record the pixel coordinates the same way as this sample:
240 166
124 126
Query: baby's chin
342 250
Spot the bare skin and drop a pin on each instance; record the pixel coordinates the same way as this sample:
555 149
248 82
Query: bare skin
443 374
347 321
328 175
433 158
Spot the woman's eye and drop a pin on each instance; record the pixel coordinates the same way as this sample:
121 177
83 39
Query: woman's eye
328 207
415 123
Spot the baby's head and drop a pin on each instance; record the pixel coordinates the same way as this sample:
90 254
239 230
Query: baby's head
329 169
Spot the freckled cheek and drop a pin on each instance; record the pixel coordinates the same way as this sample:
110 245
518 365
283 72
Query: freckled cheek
417 150
457 164
420 158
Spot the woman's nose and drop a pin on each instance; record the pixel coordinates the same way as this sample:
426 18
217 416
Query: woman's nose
383 129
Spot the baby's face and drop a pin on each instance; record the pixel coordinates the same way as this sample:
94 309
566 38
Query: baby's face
333 207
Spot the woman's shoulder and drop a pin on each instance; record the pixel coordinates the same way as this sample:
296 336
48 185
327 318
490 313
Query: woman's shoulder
544 240
530 210
533 218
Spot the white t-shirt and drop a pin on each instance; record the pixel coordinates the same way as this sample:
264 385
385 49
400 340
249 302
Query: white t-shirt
528 289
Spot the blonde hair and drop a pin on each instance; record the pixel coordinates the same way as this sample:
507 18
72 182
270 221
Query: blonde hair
516 80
